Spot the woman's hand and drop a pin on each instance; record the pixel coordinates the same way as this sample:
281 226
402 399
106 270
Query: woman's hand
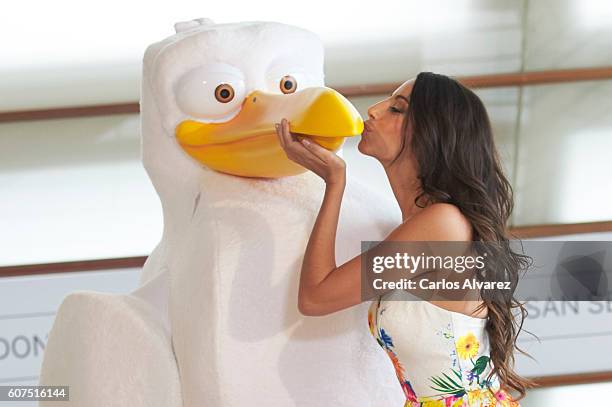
311 156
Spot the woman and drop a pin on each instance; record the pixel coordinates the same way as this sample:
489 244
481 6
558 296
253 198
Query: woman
434 140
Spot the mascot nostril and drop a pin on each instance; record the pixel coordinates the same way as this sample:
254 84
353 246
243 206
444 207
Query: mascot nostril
215 319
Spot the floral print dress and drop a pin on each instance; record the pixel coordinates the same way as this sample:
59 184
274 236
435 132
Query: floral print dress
441 357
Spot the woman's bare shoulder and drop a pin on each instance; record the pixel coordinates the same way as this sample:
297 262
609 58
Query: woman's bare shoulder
438 221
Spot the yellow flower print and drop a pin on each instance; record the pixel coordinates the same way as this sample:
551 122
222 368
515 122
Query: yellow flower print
489 397
430 402
474 396
458 403
467 346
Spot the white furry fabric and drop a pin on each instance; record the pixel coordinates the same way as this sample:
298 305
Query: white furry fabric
233 303
112 350
231 252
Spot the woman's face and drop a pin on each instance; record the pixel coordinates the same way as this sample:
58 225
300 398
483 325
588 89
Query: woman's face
382 136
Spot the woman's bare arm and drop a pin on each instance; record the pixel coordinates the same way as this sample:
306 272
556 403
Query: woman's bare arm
326 288
320 257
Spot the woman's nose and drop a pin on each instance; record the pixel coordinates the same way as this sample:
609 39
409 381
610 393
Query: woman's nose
371 112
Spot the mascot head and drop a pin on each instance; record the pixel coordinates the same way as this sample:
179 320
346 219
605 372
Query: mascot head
213 92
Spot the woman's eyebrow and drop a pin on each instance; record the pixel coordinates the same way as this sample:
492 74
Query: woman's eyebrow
402 97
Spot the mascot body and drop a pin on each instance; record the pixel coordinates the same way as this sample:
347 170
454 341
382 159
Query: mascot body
215 321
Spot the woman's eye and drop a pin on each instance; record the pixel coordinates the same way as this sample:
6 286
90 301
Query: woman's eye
394 109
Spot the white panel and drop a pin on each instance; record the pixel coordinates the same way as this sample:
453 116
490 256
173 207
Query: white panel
27 310
75 189
571 334
73 84
568 34
564 167
568 396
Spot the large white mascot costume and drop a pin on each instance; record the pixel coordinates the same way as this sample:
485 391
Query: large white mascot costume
215 322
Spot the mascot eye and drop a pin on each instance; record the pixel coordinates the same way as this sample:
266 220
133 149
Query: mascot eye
211 93
288 84
224 93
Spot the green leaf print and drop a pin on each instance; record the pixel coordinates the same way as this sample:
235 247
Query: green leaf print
447 385
480 365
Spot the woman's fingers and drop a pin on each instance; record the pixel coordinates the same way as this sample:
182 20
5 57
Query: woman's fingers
318 151
290 138
285 137
310 155
289 141
279 133
303 151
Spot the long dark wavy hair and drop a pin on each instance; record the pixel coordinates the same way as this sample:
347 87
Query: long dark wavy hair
458 163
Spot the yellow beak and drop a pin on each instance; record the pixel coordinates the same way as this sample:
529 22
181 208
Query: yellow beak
247 145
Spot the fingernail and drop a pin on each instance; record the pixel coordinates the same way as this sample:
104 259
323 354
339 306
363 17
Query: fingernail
305 141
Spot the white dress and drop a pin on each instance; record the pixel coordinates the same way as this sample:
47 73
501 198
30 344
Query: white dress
441 357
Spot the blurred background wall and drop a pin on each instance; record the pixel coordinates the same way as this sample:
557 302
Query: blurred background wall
73 189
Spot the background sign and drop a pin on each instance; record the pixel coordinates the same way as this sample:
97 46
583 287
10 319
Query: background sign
574 337
27 311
